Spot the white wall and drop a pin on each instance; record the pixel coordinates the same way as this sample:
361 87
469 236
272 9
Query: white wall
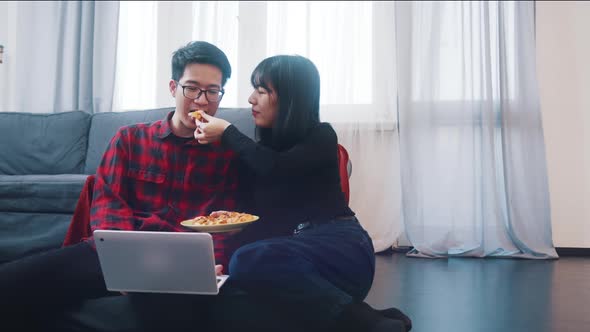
3 41
8 39
563 66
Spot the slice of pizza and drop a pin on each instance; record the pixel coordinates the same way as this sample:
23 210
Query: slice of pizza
196 115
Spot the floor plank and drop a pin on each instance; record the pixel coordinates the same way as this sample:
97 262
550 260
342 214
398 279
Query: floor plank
474 294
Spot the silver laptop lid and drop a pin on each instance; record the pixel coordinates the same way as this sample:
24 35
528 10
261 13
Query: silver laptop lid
157 262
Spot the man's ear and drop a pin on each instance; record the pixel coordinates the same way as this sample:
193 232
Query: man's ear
172 86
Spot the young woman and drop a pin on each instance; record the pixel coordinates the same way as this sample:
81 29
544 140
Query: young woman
308 251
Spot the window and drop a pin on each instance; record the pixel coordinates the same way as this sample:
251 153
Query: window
467 40
135 77
339 37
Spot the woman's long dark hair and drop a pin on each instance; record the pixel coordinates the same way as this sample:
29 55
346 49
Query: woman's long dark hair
296 82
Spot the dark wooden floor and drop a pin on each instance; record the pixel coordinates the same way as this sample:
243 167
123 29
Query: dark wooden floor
485 295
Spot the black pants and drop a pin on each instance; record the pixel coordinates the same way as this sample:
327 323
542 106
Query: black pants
43 284
315 273
35 291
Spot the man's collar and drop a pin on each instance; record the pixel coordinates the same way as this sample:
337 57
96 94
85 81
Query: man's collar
165 129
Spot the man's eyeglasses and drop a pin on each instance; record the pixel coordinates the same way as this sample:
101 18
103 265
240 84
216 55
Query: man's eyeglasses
193 92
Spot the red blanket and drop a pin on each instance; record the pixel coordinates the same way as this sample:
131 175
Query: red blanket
343 169
79 229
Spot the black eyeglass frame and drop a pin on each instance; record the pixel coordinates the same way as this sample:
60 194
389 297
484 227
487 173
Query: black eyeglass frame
220 93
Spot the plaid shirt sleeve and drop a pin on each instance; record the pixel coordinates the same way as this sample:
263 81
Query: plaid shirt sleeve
110 206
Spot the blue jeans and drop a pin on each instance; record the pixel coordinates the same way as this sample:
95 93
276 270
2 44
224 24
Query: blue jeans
314 273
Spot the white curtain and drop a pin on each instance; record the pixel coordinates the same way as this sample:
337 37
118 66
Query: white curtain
351 44
348 41
474 177
461 73
60 56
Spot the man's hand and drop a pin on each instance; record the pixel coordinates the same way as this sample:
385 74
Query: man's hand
211 129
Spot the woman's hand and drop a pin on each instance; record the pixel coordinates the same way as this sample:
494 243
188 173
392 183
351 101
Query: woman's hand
210 129
218 270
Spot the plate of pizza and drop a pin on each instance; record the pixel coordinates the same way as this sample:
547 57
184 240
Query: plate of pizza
220 221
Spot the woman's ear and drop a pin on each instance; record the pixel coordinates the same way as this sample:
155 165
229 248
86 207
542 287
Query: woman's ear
172 86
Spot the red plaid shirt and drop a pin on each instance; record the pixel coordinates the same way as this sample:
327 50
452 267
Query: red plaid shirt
151 180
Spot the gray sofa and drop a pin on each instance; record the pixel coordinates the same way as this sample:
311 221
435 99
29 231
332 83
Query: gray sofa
44 162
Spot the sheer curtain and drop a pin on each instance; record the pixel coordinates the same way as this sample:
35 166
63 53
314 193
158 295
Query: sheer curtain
351 44
60 56
348 42
474 178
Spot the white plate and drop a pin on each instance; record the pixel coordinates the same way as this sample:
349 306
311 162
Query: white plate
217 228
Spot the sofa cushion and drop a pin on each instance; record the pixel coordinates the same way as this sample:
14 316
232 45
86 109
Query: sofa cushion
43 143
22 234
40 193
104 126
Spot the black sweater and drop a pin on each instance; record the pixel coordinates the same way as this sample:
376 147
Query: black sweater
293 186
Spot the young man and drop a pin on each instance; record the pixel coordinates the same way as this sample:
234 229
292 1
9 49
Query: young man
152 176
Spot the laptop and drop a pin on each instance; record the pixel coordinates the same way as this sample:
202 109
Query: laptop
158 262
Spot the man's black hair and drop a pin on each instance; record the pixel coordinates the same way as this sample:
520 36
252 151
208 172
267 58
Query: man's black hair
200 52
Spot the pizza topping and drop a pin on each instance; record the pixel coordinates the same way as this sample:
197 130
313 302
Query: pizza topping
222 218
196 115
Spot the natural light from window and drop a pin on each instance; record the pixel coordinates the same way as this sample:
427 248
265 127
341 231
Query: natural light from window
337 37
